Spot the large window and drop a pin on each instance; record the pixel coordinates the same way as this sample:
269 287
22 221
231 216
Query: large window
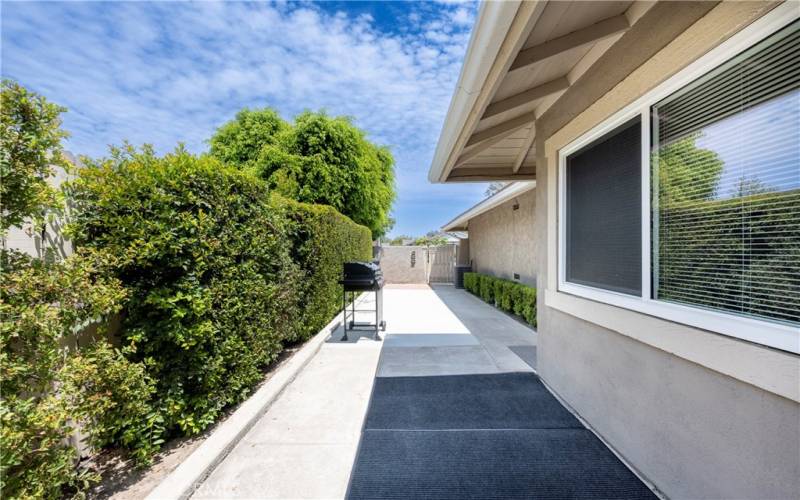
686 204
726 185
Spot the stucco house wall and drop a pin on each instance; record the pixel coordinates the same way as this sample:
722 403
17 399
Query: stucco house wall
501 240
700 415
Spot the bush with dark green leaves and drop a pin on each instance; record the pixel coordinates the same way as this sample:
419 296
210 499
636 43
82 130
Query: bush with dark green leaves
487 288
471 282
510 296
203 256
321 240
748 242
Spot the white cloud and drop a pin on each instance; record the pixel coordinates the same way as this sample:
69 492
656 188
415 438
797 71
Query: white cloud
168 72
462 17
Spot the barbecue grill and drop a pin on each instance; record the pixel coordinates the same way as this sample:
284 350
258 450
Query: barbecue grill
362 277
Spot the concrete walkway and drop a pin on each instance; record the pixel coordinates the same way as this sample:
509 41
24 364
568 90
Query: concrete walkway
305 444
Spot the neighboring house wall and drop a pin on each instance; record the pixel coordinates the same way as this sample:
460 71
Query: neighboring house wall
501 241
462 255
701 415
47 243
397 267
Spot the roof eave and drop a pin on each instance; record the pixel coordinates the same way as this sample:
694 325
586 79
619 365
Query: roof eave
491 27
459 223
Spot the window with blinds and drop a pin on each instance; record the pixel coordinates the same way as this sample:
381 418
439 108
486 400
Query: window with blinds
726 186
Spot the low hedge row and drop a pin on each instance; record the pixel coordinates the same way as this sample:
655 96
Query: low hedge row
219 275
510 296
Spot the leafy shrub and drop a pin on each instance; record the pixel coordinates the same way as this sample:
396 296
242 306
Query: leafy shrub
41 305
112 397
487 288
203 256
322 239
509 296
30 134
528 304
516 298
471 283
504 296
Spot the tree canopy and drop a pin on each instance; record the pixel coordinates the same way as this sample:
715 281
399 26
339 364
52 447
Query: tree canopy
317 159
687 172
30 146
240 141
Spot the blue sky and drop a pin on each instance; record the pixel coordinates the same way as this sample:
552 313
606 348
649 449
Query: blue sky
164 72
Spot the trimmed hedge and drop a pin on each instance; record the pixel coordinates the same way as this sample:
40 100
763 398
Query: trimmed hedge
688 256
211 283
219 274
510 296
322 239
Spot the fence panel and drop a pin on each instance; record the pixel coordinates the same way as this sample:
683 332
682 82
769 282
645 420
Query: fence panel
442 264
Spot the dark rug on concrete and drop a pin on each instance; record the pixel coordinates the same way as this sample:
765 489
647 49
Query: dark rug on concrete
537 463
493 401
526 353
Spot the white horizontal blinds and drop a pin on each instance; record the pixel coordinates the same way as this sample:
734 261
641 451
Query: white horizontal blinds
726 185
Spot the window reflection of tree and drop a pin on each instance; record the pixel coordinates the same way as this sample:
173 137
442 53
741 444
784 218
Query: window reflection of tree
738 253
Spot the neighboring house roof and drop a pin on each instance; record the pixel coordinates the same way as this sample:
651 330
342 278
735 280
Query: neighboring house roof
458 235
522 57
509 192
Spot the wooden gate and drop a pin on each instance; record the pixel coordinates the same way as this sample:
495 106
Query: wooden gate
442 264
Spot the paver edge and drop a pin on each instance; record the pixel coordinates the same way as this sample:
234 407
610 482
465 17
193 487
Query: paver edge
184 480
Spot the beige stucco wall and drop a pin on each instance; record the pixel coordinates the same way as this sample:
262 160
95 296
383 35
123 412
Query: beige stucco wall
700 415
396 264
501 241
50 242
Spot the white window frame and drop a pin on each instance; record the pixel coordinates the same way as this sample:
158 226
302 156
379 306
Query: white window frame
777 335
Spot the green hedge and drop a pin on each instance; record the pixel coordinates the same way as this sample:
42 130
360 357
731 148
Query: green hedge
717 265
220 275
322 239
510 296
203 256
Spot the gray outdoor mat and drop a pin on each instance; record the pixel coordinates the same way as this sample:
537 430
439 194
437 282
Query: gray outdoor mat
488 401
526 353
531 464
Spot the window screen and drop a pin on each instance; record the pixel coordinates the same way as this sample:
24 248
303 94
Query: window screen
603 212
726 185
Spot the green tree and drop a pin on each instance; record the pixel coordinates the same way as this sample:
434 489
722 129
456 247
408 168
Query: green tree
431 240
30 146
319 159
687 172
398 240
240 141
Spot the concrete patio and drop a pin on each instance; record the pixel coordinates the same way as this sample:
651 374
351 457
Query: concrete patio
324 438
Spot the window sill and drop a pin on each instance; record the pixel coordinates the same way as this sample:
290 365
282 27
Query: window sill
769 369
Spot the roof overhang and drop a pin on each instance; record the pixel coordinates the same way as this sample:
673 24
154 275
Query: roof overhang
506 194
522 56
